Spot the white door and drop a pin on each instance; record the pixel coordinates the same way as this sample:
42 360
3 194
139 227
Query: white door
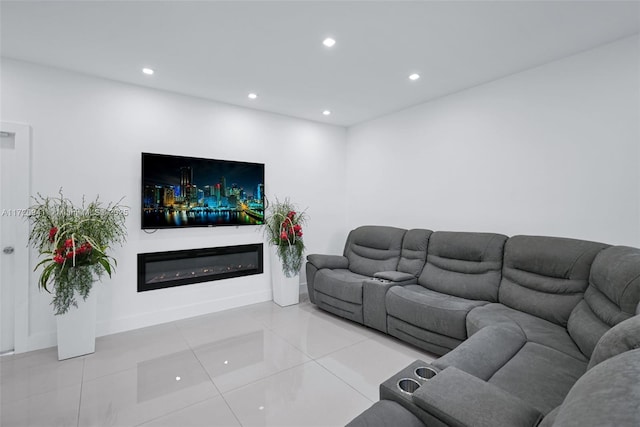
14 253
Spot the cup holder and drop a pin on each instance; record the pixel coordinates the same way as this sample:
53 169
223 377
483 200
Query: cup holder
408 385
425 373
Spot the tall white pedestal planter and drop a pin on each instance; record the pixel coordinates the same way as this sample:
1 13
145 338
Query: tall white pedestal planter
77 328
286 290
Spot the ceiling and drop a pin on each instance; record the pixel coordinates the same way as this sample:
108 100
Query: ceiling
224 50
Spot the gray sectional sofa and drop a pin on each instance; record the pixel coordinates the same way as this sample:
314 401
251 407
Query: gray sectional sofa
520 322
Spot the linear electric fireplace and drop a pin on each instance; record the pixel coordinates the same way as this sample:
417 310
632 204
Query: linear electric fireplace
159 270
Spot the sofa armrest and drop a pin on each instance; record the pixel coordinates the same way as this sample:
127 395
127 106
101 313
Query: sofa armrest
395 276
459 399
485 352
328 261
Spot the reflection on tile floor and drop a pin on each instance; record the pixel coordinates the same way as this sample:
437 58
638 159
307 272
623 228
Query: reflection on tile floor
260 365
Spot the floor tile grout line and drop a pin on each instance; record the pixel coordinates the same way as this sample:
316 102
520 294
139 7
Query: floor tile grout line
159 339
179 331
119 371
265 378
216 387
269 376
161 415
266 325
344 381
297 364
84 361
278 336
281 336
195 347
192 350
29 396
273 328
317 357
293 345
173 412
343 348
40 392
269 327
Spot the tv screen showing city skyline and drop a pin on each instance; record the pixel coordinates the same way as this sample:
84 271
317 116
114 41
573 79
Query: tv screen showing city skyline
182 191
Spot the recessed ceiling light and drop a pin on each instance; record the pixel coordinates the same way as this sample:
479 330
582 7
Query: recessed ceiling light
252 95
147 71
326 112
414 76
328 42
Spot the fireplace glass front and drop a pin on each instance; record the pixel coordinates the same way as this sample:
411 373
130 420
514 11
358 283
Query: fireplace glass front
159 270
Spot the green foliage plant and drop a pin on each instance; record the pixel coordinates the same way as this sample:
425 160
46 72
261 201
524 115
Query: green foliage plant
283 228
73 242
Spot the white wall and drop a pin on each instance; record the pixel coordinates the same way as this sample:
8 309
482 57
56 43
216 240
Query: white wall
88 134
554 150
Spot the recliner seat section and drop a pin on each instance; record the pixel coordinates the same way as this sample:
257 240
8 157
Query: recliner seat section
462 272
542 370
501 355
340 290
335 283
543 280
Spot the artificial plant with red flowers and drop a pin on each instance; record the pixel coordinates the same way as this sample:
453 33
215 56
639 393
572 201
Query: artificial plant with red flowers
73 242
284 230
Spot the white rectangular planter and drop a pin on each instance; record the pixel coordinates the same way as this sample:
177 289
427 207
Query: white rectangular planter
77 328
286 290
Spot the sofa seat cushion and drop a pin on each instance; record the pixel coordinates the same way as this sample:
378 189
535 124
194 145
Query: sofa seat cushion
342 284
535 329
430 341
431 310
386 413
539 375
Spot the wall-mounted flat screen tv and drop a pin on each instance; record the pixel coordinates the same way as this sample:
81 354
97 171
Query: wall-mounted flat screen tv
193 192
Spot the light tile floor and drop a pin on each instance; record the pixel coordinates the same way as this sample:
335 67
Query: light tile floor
260 365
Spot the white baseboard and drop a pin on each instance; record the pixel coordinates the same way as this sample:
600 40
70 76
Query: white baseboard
49 339
178 313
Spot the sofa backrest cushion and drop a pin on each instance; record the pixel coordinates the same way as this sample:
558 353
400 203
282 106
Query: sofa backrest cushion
374 248
546 276
623 337
463 264
414 251
606 395
612 296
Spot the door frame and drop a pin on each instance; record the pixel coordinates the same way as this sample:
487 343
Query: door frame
22 186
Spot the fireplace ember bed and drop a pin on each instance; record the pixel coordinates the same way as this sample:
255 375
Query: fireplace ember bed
157 270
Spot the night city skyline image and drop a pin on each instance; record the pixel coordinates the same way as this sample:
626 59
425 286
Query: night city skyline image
187 191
